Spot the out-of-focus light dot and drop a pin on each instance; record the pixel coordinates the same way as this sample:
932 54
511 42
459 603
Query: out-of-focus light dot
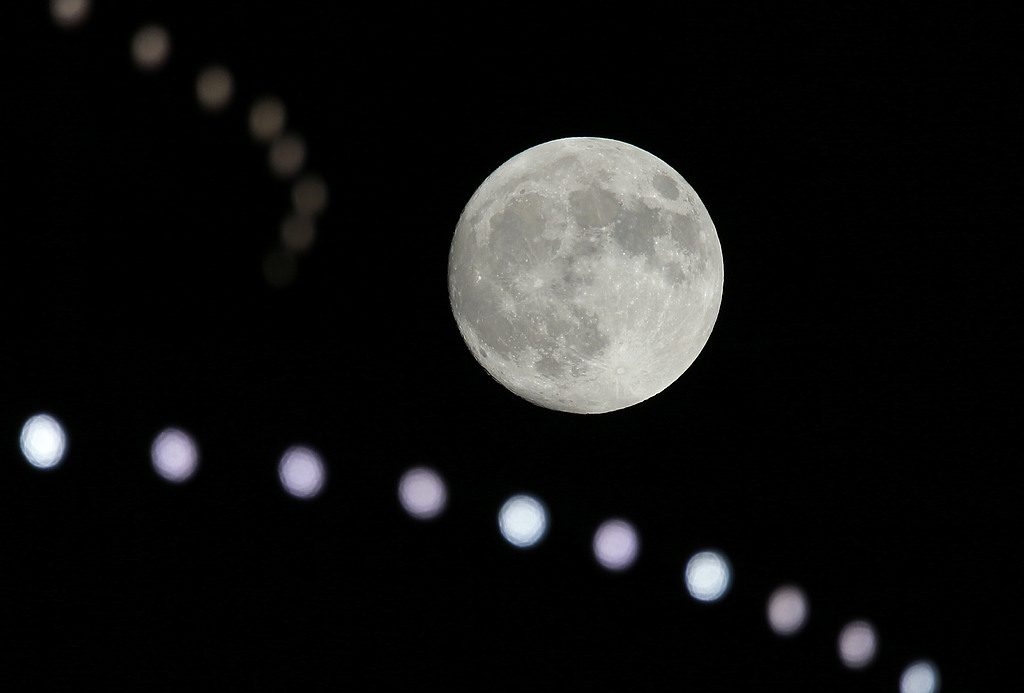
707 576
287 155
422 493
266 119
297 232
616 544
787 610
214 87
43 441
151 46
309 195
175 455
857 644
69 13
301 472
279 268
921 676
523 521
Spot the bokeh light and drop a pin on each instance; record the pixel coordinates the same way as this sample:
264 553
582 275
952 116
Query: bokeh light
921 676
43 441
708 576
151 46
301 472
214 87
787 610
422 493
298 232
309 195
287 155
858 644
523 521
266 118
175 455
69 13
616 544
279 267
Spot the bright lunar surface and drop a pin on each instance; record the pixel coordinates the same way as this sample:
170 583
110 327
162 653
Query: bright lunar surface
585 275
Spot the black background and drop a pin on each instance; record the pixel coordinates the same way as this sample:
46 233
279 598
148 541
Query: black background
850 426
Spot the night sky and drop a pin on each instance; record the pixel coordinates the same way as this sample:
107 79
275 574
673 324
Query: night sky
852 425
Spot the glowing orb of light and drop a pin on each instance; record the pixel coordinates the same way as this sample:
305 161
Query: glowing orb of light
523 521
787 610
297 232
858 644
267 118
43 441
309 195
616 544
708 576
301 472
422 493
151 46
921 676
175 455
279 267
214 87
287 154
69 13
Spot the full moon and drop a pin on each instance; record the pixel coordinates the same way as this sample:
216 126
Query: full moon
585 275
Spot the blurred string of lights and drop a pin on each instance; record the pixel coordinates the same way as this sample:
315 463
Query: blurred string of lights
523 520
287 151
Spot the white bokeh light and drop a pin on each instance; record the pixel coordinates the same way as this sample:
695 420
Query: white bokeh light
279 267
523 521
309 195
921 676
43 441
267 118
287 155
301 472
787 610
214 87
422 493
175 455
708 576
857 644
616 544
69 13
298 232
151 46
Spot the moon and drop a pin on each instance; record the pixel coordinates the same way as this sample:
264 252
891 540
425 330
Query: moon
585 275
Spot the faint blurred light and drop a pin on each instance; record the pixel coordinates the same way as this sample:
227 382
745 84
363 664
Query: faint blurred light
920 677
422 493
150 47
266 119
523 521
616 544
279 268
787 610
857 644
301 472
214 87
287 155
309 195
707 576
43 441
297 232
69 13
175 455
